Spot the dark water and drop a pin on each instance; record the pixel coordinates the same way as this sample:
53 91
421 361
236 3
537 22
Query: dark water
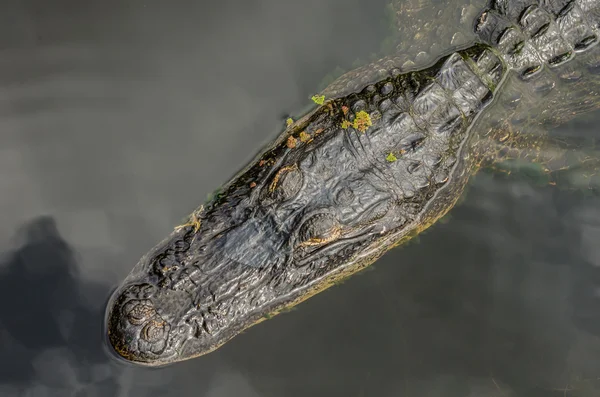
119 117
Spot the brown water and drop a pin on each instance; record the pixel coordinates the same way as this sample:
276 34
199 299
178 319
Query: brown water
117 118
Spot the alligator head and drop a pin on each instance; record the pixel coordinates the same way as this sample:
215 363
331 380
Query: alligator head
307 212
252 255
264 246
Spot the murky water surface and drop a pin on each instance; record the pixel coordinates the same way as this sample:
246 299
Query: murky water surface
117 118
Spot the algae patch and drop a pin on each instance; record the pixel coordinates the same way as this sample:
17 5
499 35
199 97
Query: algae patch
318 99
362 121
304 137
291 142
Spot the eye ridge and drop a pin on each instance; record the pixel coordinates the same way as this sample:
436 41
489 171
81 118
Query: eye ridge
286 183
279 174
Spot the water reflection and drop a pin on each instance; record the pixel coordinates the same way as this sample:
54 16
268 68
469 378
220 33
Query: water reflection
49 334
500 300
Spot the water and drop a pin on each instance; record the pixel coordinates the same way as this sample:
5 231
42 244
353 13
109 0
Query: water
118 118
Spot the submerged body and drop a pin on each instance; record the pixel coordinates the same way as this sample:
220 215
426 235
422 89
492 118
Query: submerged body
355 177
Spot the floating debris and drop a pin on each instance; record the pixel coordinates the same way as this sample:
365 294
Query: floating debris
391 157
194 220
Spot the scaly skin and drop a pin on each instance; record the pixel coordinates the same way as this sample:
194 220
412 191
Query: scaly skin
360 174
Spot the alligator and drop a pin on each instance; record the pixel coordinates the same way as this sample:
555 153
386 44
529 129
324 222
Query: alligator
361 173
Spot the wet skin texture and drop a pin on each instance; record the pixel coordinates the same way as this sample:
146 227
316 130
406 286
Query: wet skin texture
360 174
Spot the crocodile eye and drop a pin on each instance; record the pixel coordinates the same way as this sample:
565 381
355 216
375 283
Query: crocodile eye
286 183
319 229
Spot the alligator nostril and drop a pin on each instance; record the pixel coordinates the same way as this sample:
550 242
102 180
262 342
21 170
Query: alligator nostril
138 312
155 331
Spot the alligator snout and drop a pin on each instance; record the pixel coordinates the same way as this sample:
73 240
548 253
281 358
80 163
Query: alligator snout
139 321
136 329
